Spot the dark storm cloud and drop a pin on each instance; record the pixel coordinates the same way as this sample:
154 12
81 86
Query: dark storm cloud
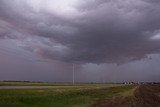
104 31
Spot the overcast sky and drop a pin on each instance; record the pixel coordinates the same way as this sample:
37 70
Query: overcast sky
107 40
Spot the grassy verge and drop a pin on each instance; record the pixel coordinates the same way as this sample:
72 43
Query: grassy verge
70 97
122 99
141 96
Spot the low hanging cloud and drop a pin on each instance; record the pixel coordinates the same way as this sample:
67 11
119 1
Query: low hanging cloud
103 31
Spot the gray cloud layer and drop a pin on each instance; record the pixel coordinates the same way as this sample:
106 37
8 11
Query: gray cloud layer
102 31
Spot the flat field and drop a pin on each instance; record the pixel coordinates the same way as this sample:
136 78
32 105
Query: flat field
144 95
34 84
81 95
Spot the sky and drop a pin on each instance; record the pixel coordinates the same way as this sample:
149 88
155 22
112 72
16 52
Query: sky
106 40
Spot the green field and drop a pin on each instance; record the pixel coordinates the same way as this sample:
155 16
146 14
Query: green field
61 97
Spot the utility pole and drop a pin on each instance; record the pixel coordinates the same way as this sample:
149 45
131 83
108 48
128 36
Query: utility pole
73 68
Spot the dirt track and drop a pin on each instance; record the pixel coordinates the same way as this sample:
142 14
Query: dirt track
144 96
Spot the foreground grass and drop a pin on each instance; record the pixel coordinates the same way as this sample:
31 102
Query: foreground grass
68 97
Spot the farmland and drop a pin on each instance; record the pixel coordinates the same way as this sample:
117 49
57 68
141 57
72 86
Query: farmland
147 95
81 95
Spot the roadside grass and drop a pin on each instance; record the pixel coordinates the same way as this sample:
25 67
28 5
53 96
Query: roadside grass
123 97
65 97
129 93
